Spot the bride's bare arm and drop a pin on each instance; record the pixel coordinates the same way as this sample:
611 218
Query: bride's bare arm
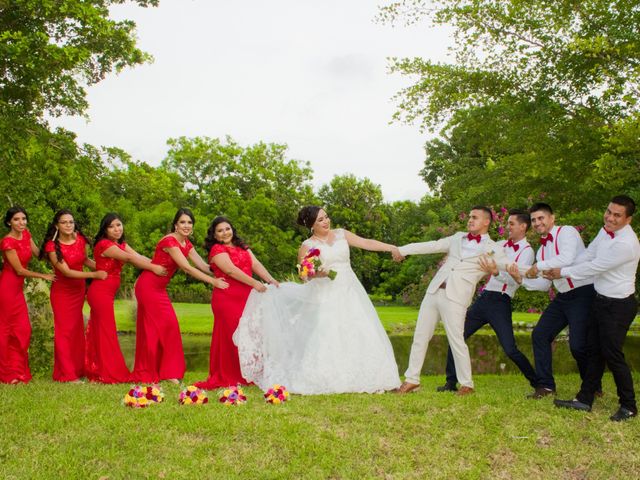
367 243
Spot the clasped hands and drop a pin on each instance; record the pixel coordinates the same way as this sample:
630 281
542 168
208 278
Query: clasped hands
549 274
396 255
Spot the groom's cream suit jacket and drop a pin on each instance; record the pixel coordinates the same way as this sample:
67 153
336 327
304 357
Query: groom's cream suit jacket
460 274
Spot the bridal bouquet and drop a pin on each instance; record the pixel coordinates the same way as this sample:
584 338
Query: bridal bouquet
311 264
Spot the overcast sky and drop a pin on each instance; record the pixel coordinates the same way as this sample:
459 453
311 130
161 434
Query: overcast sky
310 74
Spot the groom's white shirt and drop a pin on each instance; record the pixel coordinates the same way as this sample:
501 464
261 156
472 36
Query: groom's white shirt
461 270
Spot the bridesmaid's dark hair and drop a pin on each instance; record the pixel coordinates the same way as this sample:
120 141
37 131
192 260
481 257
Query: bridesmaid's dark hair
52 234
179 213
210 241
11 212
105 223
307 215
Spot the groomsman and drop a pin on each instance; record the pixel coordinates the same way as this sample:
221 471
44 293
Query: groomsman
559 247
494 304
449 294
612 260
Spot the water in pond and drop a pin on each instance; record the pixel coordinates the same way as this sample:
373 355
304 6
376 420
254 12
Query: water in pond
486 354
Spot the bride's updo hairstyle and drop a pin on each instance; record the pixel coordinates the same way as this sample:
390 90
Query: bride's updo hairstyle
307 215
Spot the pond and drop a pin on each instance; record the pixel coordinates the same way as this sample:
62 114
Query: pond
486 354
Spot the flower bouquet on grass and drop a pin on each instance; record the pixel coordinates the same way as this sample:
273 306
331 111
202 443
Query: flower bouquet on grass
141 397
311 265
193 395
276 395
232 396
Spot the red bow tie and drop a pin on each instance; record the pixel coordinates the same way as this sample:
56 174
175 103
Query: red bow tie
515 246
471 236
544 240
608 232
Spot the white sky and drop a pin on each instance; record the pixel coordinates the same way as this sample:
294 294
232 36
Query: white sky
311 74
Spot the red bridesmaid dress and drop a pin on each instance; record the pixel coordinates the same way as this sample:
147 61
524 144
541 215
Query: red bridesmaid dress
159 354
15 328
227 306
104 362
67 300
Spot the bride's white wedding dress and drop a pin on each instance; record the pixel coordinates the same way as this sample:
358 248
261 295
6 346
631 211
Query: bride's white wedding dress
323 336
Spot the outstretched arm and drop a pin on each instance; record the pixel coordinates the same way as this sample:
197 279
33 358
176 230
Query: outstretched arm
64 269
199 262
129 255
185 266
224 263
261 271
14 261
367 243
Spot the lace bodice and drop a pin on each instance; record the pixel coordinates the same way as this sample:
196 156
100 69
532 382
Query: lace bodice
334 255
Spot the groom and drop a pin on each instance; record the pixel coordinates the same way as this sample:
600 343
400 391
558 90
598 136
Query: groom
450 293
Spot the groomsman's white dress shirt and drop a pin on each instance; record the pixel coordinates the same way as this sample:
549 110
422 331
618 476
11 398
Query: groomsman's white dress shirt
520 253
612 262
561 250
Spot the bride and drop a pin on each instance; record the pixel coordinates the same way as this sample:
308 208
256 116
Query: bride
323 336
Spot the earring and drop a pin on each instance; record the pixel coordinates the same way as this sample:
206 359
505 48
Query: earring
55 235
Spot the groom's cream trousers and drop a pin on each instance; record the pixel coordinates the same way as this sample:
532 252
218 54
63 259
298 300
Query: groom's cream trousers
436 306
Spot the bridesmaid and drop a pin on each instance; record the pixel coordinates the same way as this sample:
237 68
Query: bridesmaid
231 259
159 354
66 248
104 361
15 329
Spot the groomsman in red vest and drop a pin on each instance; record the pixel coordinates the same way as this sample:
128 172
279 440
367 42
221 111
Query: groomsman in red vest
559 247
612 260
493 306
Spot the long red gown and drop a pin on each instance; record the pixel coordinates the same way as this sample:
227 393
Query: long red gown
227 306
105 362
67 301
159 354
15 328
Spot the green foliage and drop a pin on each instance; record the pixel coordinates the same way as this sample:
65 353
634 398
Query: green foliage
51 49
41 317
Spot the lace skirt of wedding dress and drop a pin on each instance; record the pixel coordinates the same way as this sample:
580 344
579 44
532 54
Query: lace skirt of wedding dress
320 337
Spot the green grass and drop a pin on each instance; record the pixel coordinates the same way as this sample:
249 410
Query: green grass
51 430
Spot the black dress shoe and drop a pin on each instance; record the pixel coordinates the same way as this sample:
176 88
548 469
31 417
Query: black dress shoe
623 414
574 404
447 387
541 392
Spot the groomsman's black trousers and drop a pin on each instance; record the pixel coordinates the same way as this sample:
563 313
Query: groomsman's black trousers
567 309
493 308
609 322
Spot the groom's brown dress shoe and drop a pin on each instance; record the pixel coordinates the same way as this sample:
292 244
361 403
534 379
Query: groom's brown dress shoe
462 391
407 387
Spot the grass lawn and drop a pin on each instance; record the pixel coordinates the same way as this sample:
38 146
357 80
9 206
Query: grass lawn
51 430
197 317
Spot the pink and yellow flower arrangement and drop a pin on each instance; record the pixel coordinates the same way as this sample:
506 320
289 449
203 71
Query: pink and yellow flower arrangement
232 396
276 394
310 265
141 397
193 395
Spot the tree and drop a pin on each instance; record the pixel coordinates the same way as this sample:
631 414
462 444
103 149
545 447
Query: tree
257 187
541 100
50 49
